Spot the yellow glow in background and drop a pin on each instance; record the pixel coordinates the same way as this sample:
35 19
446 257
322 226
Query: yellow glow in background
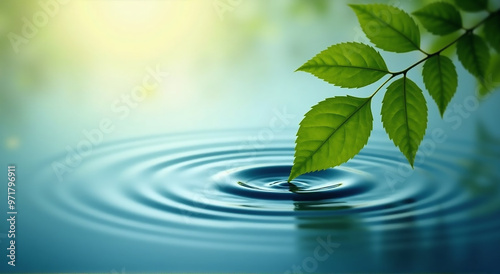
230 64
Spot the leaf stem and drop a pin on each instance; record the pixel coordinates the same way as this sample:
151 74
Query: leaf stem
429 55
422 51
383 84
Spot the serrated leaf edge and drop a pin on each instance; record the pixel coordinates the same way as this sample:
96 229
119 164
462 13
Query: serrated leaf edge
368 100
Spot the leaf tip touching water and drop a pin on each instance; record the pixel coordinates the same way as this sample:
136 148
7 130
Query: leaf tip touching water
331 133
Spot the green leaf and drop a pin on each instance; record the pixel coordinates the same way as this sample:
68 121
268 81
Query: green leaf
438 44
331 133
350 65
492 81
472 5
387 27
404 116
440 18
492 31
474 55
441 80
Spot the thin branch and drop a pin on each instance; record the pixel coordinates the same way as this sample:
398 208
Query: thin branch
383 84
467 31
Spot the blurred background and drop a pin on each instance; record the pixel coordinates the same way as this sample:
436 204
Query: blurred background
67 65
150 67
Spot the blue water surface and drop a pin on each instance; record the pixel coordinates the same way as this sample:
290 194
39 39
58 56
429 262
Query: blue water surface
219 202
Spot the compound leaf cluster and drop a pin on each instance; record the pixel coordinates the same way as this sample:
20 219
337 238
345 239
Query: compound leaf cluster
336 129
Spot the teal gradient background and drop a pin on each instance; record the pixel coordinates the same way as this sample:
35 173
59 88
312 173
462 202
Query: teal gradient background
210 66
227 68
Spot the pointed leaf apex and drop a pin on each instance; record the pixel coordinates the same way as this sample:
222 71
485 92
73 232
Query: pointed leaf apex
321 139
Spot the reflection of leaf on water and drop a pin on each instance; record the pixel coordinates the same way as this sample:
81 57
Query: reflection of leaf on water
317 219
293 188
327 206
